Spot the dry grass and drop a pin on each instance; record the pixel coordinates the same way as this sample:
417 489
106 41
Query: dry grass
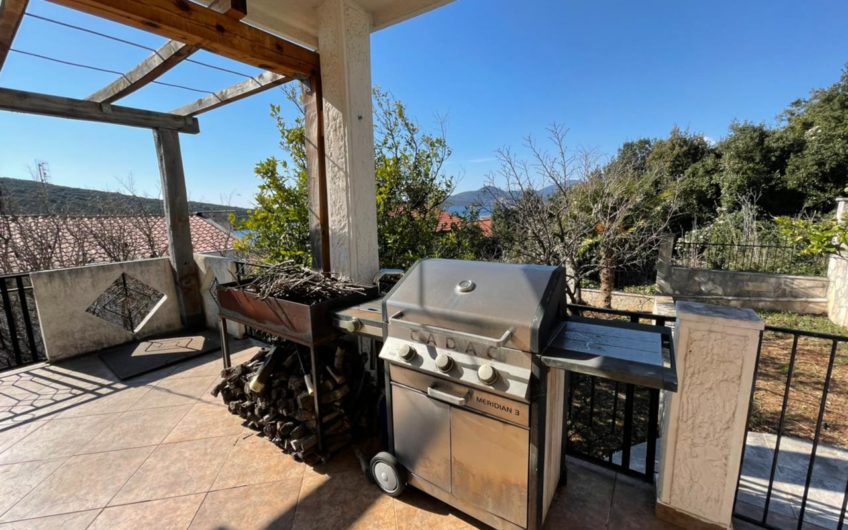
806 388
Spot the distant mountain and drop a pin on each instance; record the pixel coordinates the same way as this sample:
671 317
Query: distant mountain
484 198
27 197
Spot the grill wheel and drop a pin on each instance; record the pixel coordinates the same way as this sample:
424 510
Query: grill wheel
389 475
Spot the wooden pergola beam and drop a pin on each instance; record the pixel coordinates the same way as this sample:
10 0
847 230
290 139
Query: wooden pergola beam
11 14
168 56
199 26
80 109
238 91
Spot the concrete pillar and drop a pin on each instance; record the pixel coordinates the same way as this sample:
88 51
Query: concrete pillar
704 423
837 274
344 42
664 259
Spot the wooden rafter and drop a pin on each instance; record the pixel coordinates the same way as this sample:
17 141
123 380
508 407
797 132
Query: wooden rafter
11 14
240 90
168 56
80 109
196 25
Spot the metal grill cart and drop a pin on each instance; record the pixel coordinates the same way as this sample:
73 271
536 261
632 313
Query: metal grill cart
474 358
310 325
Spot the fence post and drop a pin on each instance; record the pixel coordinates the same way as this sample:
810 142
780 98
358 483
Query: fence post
664 260
704 423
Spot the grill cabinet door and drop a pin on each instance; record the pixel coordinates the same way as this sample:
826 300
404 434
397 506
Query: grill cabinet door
422 435
489 464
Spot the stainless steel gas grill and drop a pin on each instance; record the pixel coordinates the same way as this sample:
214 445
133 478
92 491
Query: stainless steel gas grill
475 417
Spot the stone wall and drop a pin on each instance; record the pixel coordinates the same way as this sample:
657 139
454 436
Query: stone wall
755 290
62 297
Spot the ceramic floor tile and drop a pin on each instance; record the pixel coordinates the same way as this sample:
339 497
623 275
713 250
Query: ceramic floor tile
136 428
355 502
67 521
56 438
173 392
12 431
585 501
174 513
105 401
16 480
254 460
633 507
269 506
82 483
206 420
177 469
418 511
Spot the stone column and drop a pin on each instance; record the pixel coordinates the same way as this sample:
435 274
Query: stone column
837 274
664 258
703 424
344 43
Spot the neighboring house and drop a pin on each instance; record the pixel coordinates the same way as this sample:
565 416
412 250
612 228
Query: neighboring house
33 243
447 221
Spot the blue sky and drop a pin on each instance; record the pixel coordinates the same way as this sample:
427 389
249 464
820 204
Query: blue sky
610 71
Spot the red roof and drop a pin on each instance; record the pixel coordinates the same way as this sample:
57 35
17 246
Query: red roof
447 221
31 243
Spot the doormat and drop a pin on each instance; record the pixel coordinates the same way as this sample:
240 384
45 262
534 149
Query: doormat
136 358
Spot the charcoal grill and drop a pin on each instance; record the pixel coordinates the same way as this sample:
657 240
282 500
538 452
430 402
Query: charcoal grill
475 418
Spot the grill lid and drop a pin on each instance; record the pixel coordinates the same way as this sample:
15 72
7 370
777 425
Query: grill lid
495 304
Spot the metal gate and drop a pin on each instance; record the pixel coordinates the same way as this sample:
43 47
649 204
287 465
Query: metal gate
794 471
20 336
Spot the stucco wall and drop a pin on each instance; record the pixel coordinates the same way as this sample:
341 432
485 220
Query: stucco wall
63 295
212 268
704 421
775 292
837 294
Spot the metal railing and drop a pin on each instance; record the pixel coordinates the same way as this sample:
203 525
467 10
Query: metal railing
20 335
797 411
775 259
615 425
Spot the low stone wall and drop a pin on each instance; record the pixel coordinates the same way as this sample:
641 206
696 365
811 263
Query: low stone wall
837 293
63 295
754 290
622 301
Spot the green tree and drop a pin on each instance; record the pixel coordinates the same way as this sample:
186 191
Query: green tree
753 160
817 131
277 229
687 161
412 187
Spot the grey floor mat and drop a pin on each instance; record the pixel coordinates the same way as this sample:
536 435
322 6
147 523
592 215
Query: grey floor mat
136 358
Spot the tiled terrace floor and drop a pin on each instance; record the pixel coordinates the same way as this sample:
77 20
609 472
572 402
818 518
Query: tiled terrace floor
79 449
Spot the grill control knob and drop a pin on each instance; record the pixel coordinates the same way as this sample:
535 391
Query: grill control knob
406 352
487 374
443 362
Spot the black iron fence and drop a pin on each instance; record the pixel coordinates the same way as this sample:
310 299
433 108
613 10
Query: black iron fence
794 470
20 336
775 259
613 424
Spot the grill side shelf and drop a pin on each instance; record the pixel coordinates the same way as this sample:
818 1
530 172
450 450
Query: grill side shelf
625 354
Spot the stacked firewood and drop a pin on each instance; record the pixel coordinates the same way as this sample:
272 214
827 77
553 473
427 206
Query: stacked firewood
273 392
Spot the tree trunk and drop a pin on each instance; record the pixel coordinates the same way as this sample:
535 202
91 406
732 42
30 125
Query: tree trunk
607 277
